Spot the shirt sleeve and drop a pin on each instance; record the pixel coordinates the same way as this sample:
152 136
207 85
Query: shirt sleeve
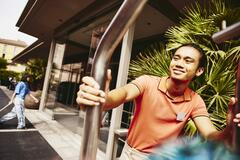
140 83
18 88
199 109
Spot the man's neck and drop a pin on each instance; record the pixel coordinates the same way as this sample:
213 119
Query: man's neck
175 87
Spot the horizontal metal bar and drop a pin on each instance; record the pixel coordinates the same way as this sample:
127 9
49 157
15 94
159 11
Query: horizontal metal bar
230 32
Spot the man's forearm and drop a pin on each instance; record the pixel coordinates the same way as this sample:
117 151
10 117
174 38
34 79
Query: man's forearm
223 136
121 95
114 98
218 135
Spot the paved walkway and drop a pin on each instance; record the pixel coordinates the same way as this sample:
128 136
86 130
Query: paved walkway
62 140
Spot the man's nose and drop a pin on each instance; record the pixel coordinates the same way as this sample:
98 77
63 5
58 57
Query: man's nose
180 63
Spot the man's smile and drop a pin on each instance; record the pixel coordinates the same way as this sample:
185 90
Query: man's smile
178 71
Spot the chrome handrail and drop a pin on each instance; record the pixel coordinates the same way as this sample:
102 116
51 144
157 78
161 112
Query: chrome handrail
228 33
124 18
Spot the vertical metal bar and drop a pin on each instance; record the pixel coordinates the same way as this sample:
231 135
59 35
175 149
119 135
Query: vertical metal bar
121 80
125 17
96 36
224 24
229 33
236 109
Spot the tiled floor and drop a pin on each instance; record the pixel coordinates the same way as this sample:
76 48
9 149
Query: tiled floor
65 142
25 145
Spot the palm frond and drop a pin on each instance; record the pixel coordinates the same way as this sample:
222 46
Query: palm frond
190 128
154 61
216 86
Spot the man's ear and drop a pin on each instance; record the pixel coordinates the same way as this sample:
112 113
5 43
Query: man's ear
200 71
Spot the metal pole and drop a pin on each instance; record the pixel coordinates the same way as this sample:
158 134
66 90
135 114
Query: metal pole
228 33
125 17
122 76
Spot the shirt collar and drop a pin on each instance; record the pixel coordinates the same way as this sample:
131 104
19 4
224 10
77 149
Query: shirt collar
162 87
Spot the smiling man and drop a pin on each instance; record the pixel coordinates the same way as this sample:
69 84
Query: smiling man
163 105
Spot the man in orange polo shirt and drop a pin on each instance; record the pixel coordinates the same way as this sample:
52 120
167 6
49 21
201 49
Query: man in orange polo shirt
162 104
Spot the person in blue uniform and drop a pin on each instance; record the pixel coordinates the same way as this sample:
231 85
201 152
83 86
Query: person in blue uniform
20 92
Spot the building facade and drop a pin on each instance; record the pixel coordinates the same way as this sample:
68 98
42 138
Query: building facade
9 49
68 34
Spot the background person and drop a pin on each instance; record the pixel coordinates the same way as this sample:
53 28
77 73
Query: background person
21 90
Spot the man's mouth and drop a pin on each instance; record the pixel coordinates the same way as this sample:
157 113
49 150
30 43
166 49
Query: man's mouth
178 71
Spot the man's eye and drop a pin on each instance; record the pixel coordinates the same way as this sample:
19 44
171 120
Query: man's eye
175 58
189 61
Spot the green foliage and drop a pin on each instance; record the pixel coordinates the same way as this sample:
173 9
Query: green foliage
3 63
5 74
216 86
154 61
36 69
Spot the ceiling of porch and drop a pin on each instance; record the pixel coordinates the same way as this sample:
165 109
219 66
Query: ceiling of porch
74 20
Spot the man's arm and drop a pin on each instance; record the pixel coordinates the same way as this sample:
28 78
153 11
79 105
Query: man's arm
90 94
206 128
121 95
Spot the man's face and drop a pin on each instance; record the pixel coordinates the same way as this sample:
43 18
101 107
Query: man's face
184 64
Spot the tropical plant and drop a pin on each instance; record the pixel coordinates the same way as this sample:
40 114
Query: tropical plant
199 24
4 76
36 69
154 61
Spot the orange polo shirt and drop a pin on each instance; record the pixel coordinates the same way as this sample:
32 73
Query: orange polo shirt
157 117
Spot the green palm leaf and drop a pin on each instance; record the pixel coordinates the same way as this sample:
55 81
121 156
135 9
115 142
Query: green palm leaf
156 61
217 85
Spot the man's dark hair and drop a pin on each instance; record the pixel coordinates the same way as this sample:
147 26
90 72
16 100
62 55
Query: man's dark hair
203 58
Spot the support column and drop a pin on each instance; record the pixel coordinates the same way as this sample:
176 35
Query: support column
47 76
121 80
